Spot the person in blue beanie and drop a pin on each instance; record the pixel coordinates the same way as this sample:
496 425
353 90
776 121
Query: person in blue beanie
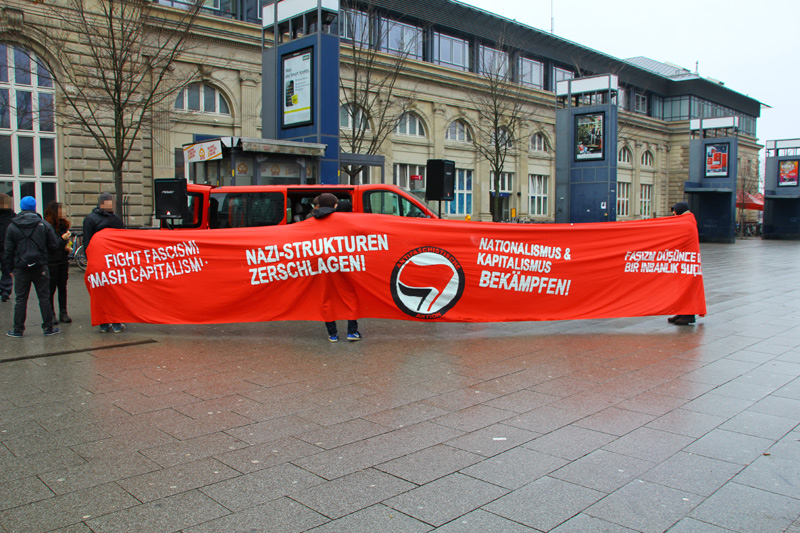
29 242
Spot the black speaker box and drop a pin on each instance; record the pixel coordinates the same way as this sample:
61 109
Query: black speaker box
170 198
441 179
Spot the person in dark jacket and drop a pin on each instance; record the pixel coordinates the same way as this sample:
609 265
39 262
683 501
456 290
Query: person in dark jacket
29 241
681 320
6 215
102 217
59 260
325 204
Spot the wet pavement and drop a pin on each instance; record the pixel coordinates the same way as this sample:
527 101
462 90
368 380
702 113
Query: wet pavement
576 426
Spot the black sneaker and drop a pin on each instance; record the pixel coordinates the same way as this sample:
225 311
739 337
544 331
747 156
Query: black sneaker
51 331
12 333
64 318
5 297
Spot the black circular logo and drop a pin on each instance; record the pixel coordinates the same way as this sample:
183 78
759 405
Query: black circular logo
427 282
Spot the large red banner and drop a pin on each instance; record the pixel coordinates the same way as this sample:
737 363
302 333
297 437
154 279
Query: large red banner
351 265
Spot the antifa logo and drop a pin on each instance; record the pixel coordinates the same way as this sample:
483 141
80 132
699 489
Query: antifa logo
427 282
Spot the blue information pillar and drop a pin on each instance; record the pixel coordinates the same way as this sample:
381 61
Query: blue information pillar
713 168
300 79
782 190
586 150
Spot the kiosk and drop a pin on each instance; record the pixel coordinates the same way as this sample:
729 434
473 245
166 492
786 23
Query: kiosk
711 187
781 190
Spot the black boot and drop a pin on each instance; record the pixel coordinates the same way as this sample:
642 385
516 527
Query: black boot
64 318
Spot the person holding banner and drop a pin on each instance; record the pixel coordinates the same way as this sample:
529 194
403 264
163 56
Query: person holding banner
681 320
324 205
100 218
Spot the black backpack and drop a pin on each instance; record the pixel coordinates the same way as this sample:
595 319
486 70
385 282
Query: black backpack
29 254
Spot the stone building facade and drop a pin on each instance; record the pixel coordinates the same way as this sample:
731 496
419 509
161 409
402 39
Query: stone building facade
59 161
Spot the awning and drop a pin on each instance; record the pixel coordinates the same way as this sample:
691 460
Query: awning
745 200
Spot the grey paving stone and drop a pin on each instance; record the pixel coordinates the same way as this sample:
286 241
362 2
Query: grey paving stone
690 525
177 479
44 441
788 447
344 433
651 403
249 490
351 493
583 523
682 388
473 418
684 422
759 425
717 404
649 444
615 421
429 464
261 456
521 401
514 468
480 520
772 474
602 470
434 504
193 449
28 465
645 507
405 415
16 492
545 503
161 516
693 473
66 510
97 472
376 450
492 440
730 446
746 509
544 419
375 518
270 430
570 442
779 406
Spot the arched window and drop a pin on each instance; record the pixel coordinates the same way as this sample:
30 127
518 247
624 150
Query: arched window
203 98
410 124
27 127
538 143
502 137
647 159
458 131
625 155
349 120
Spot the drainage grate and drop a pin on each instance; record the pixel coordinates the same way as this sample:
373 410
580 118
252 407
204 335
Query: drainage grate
79 350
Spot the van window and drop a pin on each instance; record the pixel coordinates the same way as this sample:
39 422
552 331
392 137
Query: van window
390 203
246 209
193 216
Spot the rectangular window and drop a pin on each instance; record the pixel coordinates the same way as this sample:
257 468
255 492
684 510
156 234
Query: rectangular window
209 99
493 62
462 201
657 107
46 112
538 199
5 110
24 110
47 155
5 155
623 199
25 156
3 63
22 67
531 73
622 98
42 75
506 182
402 39
560 74
641 103
355 26
450 51
411 177
193 97
646 205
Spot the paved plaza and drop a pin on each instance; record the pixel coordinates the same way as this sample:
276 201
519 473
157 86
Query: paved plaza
576 426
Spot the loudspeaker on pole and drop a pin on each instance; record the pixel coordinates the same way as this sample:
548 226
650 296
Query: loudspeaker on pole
441 180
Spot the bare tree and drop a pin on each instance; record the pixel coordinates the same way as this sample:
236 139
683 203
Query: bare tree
117 67
501 114
368 82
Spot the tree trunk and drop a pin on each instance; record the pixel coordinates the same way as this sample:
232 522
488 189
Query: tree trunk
118 192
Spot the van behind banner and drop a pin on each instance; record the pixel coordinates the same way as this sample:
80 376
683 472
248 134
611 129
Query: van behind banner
352 265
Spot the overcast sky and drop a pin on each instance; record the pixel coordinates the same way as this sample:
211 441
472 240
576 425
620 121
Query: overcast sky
750 45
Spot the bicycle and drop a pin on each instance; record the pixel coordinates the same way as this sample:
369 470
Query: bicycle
78 254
